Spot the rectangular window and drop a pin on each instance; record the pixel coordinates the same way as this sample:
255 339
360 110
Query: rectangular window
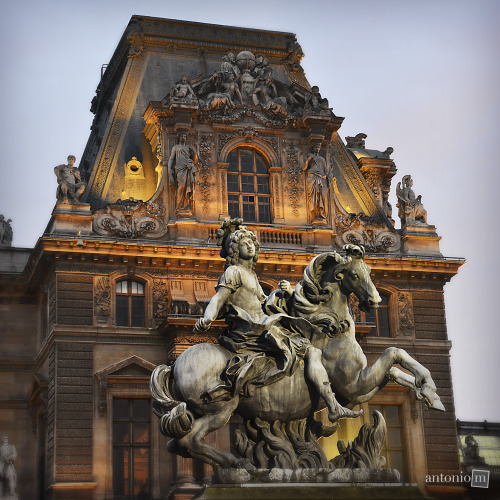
122 310
131 448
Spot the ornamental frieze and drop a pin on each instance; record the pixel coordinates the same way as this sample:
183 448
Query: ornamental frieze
102 297
405 313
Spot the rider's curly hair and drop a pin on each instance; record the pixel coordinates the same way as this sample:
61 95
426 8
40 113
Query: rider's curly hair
234 250
229 236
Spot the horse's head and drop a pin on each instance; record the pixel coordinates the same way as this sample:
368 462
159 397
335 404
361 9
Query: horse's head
353 276
330 271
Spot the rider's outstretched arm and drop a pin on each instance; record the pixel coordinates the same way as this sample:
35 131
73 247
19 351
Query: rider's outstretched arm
213 309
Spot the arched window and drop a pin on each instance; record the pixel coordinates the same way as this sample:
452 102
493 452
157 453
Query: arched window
248 186
380 317
129 303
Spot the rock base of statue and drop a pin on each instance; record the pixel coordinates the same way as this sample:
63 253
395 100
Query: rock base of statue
307 483
243 476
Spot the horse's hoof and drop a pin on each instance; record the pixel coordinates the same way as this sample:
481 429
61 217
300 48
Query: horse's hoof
432 400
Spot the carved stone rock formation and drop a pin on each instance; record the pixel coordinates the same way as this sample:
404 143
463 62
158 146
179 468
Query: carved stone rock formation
364 451
285 445
130 219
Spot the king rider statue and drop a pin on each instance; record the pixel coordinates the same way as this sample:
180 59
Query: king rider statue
266 347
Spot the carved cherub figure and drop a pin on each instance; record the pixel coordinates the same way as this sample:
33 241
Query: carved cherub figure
314 103
266 96
182 90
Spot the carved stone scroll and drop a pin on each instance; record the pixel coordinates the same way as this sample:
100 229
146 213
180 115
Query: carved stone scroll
362 230
131 219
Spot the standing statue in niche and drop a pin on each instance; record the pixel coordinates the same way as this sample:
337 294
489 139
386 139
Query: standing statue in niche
8 476
410 207
71 186
5 232
318 180
182 175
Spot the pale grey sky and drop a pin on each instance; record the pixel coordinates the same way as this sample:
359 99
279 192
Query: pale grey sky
422 77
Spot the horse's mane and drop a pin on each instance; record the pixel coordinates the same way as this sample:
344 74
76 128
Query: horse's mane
320 276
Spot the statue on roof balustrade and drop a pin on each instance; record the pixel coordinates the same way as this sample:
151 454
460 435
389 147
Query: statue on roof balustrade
410 208
70 185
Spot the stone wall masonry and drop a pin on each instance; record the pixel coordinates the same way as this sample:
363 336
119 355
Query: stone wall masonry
440 428
429 315
74 412
74 299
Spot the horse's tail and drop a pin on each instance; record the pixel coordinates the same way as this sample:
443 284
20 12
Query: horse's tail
175 419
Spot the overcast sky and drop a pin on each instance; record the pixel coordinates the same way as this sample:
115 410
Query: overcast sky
420 76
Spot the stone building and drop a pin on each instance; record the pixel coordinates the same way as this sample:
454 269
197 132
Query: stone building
195 123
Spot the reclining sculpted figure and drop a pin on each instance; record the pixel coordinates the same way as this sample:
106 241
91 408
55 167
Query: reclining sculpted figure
257 372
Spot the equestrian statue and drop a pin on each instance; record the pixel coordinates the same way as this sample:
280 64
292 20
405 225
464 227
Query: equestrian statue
279 360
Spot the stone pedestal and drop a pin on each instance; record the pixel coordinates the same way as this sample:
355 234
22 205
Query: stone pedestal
71 219
347 491
420 239
187 231
320 239
317 484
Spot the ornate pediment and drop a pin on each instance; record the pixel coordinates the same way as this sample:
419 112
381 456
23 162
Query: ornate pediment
133 370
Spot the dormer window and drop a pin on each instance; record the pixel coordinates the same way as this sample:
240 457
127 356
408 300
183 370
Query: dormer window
248 186
130 309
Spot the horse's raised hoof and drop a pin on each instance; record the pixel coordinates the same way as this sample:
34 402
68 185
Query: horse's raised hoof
431 399
342 412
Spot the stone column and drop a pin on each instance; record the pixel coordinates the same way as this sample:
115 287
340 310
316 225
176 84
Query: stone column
222 178
276 195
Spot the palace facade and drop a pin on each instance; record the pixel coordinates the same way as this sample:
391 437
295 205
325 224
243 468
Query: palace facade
195 123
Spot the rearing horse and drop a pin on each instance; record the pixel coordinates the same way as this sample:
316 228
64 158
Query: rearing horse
322 298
